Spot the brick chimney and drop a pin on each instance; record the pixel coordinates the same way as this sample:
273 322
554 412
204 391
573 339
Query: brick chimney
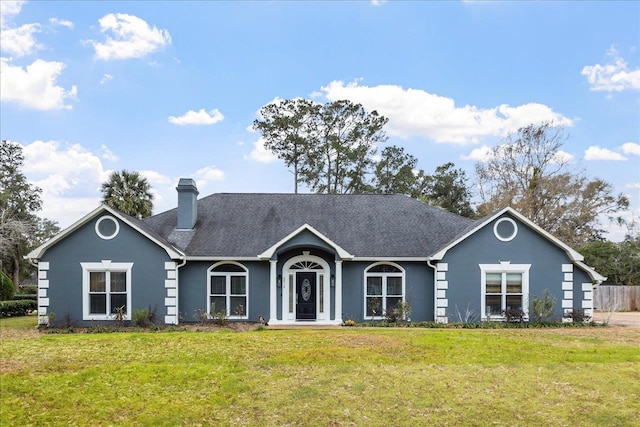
187 203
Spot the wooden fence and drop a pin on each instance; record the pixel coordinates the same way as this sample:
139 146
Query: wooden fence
616 298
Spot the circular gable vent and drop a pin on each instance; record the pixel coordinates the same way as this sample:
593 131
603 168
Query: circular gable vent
505 229
107 227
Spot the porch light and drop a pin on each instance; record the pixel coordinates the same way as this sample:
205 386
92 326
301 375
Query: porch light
279 281
332 281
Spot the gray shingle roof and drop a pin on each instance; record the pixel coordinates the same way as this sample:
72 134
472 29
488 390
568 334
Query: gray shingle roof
367 225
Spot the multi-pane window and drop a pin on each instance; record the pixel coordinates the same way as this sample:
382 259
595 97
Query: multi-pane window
384 288
504 292
228 291
504 289
107 290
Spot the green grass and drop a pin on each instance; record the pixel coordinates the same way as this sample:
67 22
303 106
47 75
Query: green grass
351 376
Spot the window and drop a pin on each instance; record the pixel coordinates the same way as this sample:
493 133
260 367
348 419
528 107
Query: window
504 287
107 227
106 289
384 288
228 290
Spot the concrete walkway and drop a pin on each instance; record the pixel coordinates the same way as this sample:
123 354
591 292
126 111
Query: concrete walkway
618 318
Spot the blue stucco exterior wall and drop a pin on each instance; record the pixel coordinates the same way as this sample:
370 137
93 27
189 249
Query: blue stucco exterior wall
463 274
65 272
193 291
418 290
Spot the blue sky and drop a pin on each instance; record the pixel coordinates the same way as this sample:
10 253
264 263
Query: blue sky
171 88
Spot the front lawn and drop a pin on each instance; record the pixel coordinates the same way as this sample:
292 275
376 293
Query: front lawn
350 376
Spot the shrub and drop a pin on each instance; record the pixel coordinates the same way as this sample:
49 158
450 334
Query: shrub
6 288
543 307
578 315
29 289
400 312
514 315
200 315
220 317
141 317
18 297
17 308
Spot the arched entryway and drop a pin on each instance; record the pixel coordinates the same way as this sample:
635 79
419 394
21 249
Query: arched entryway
306 289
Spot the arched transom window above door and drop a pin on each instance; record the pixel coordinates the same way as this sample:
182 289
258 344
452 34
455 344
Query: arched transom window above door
306 265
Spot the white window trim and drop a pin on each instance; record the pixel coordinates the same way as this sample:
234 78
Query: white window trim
227 275
504 267
104 266
384 276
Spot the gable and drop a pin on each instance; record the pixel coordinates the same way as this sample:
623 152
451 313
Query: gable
508 234
305 236
103 224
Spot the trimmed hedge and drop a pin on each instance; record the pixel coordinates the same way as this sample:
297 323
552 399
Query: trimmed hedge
29 289
18 297
17 308
6 287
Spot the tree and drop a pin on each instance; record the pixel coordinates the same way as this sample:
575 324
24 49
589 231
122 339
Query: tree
128 192
286 127
342 148
619 262
396 172
20 228
330 146
530 173
448 189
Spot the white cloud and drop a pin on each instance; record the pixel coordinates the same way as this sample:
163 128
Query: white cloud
162 188
106 78
61 22
36 86
414 112
485 153
562 157
197 118
597 153
206 174
70 178
481 154
8 9
633 185
378 2
107 154
631 148
131 37
20 41
615 76
261 154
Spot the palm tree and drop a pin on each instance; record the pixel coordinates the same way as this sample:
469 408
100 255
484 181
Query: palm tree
129 193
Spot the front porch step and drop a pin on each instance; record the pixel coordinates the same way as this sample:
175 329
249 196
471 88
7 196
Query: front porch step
303 326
